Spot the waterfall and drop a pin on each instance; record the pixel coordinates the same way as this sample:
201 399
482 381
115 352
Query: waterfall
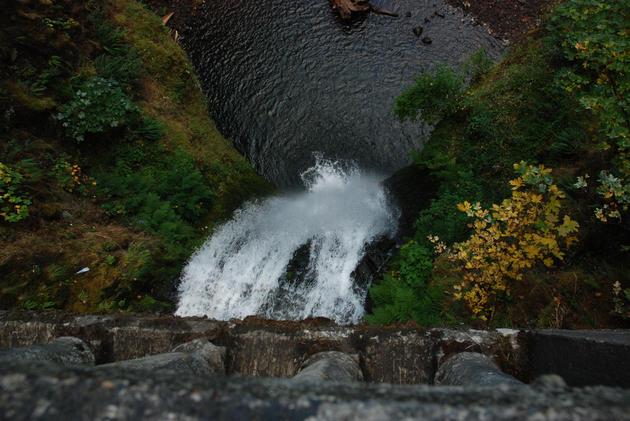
251 265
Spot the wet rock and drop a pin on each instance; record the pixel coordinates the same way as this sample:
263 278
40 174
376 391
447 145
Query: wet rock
417 31
370 267
472 369
427 40
196 358
411 189
65 350
331 365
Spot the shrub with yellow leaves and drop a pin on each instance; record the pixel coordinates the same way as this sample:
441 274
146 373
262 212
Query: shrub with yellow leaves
524 230
14 202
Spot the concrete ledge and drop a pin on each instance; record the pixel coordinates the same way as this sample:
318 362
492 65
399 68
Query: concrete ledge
45 393
267 348
65 350
583 357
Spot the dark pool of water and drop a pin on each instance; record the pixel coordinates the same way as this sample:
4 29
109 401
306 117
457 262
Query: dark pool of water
286 78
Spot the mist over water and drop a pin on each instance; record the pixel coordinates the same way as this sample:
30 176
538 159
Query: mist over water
241 270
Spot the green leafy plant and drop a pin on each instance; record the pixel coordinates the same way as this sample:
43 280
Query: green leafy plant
126 69
61 23
434 95
621 301
595 40
97 107
47 75
70 176
14 202
405 292
164 199
510 238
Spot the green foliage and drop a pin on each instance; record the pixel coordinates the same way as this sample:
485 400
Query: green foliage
510 238
57 273
149 129
111 37
434 95
621 301
135 261
437 95
14 202
595 39
150 304
478 64
442 218
166 199
559 95
405 292
69 176
126 69
61 23
97 107
47 75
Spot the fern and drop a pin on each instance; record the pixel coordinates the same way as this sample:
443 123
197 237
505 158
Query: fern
405 292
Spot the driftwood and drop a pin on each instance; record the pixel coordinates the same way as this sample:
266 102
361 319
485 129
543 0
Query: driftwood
346 8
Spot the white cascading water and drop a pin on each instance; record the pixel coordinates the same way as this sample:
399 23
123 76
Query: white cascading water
241 270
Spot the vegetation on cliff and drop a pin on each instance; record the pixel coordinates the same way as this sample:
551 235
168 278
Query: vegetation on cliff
560 100
108 159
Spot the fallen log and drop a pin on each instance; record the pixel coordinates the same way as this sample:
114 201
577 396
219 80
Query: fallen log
346 8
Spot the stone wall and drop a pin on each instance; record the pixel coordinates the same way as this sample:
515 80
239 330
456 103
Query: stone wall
402 355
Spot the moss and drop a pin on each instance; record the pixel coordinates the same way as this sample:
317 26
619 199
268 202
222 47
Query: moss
171 95
26 99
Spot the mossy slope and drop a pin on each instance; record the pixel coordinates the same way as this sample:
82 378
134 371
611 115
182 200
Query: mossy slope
109 202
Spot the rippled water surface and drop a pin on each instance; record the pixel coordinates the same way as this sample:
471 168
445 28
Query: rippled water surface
285 78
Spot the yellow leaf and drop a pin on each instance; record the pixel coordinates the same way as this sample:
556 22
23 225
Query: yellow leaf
568 226
464 207
516 183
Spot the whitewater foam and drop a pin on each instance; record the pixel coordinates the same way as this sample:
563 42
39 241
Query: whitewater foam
241 269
